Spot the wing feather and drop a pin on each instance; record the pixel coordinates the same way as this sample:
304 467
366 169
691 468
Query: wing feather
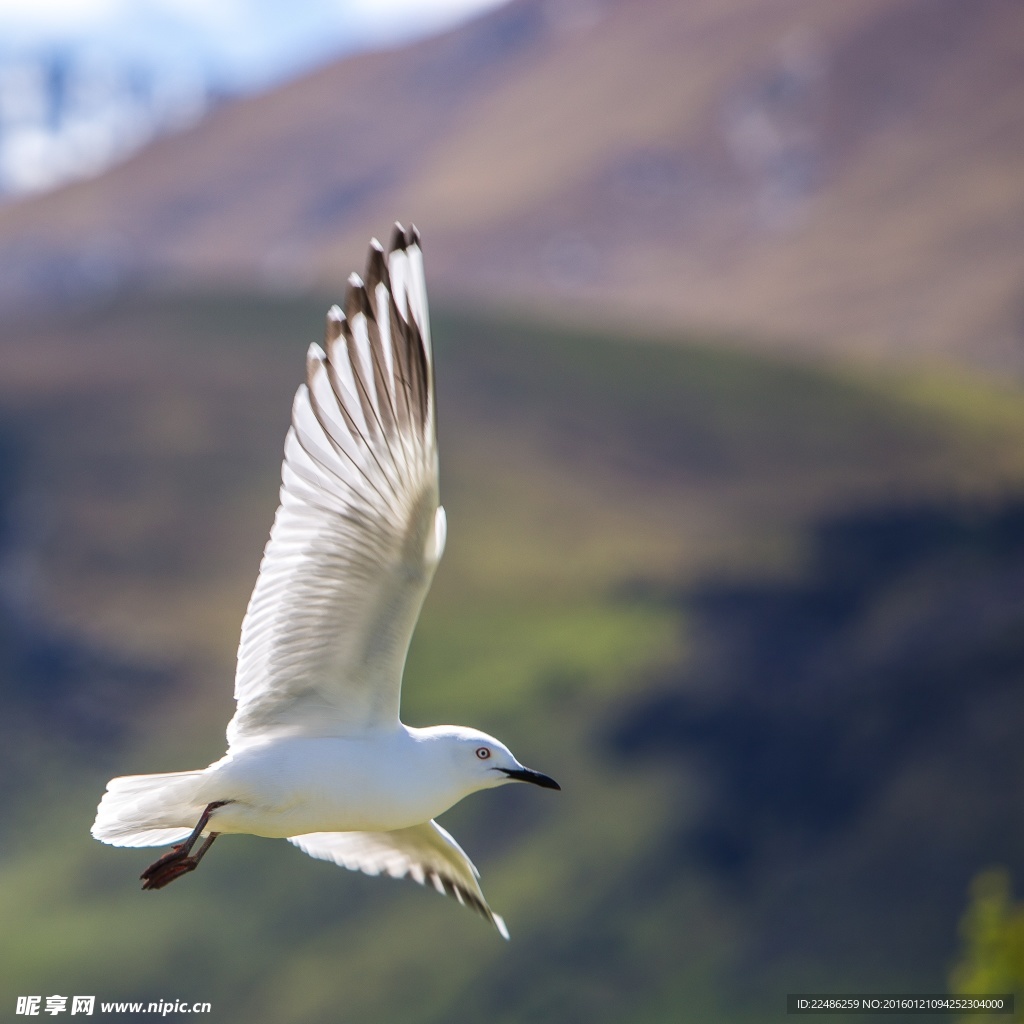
359 531
426 853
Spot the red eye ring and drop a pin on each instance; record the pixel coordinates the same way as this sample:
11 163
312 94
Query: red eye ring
483 753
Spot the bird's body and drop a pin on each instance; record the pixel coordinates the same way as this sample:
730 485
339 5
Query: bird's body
293 784
288 786
316 751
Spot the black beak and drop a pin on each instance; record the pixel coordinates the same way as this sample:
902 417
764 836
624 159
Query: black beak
529 775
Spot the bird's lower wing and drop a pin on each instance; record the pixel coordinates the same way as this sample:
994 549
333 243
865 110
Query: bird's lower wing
359 531
426 853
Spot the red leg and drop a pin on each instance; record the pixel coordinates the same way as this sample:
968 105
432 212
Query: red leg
177 861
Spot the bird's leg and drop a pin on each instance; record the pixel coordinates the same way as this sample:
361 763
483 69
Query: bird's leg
178 861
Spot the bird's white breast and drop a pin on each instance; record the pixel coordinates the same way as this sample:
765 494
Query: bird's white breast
375 782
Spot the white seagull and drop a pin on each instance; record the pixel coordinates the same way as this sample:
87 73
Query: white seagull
316 752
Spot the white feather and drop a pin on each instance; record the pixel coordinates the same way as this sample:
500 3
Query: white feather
356 539
425 853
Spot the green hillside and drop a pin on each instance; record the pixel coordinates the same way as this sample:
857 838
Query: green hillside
760 619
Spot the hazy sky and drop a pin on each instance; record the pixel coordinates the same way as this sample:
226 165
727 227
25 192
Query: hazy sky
243 43
84 83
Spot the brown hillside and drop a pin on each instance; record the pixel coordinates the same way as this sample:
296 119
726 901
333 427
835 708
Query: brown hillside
846 175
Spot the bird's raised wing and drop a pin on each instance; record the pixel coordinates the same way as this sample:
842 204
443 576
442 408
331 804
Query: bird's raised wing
359 531
425 853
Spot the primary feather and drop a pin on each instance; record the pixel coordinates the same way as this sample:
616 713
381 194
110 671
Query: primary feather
426 853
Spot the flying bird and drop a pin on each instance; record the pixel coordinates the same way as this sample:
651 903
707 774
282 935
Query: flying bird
316 752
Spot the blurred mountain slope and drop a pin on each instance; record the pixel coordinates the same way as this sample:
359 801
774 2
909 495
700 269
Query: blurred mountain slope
838 176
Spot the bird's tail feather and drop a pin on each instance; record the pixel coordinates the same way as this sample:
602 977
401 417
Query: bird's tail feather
148 810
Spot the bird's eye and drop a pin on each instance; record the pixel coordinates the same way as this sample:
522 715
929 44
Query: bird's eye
483 753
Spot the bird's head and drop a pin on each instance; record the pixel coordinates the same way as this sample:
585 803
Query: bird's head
485 762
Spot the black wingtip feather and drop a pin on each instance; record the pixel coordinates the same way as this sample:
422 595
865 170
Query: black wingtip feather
376 266
333 326
460 893
356 299
411 364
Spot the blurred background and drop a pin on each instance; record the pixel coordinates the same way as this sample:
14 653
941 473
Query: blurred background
728 303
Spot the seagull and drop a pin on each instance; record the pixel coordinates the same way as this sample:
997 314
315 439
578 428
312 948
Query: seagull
316 752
